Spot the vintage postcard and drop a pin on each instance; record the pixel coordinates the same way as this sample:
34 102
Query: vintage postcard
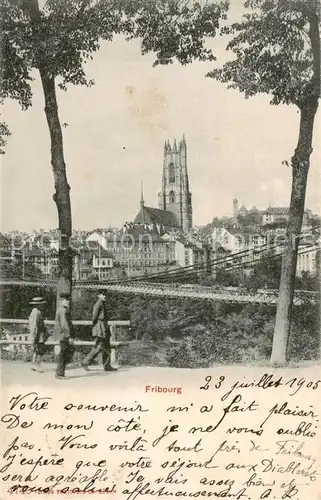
160 249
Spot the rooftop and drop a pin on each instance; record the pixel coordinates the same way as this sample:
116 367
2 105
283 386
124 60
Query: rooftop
277 210
139 230
149 215
36 251
102 253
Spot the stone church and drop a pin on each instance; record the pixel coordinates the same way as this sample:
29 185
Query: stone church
174 200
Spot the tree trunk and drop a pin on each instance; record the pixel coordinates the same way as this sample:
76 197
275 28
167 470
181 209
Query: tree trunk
300 169
62 188
61 196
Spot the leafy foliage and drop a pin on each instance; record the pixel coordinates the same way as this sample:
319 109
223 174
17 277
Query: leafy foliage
65 35
4 133
15 301
175 29
15 269
273 51
252 218
265 274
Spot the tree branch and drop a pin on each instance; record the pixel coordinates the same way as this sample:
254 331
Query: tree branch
314 35
73 25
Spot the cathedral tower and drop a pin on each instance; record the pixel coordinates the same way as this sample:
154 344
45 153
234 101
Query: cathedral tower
175 195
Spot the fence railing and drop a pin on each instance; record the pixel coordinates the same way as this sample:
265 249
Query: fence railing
52 322
114 343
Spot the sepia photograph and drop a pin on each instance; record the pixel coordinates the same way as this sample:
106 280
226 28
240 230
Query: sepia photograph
160 248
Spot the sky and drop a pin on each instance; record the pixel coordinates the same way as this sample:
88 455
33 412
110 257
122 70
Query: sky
115 137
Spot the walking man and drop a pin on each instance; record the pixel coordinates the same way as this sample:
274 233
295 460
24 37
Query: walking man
101 334
37 331
64 329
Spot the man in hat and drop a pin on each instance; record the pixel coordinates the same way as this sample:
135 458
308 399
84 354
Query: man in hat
101 334
64 329
37 331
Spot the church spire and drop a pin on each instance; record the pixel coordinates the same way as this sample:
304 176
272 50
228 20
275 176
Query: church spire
141 195
182 143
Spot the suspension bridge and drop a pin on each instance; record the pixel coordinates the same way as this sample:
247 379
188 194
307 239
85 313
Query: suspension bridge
169 283
220 294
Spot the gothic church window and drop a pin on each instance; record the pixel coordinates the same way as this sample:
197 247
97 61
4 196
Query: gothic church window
171 170
172 197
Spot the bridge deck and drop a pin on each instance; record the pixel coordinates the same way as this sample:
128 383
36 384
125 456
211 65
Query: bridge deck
194 292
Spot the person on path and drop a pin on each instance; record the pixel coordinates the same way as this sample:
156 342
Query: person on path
101 333
37 331
64 329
